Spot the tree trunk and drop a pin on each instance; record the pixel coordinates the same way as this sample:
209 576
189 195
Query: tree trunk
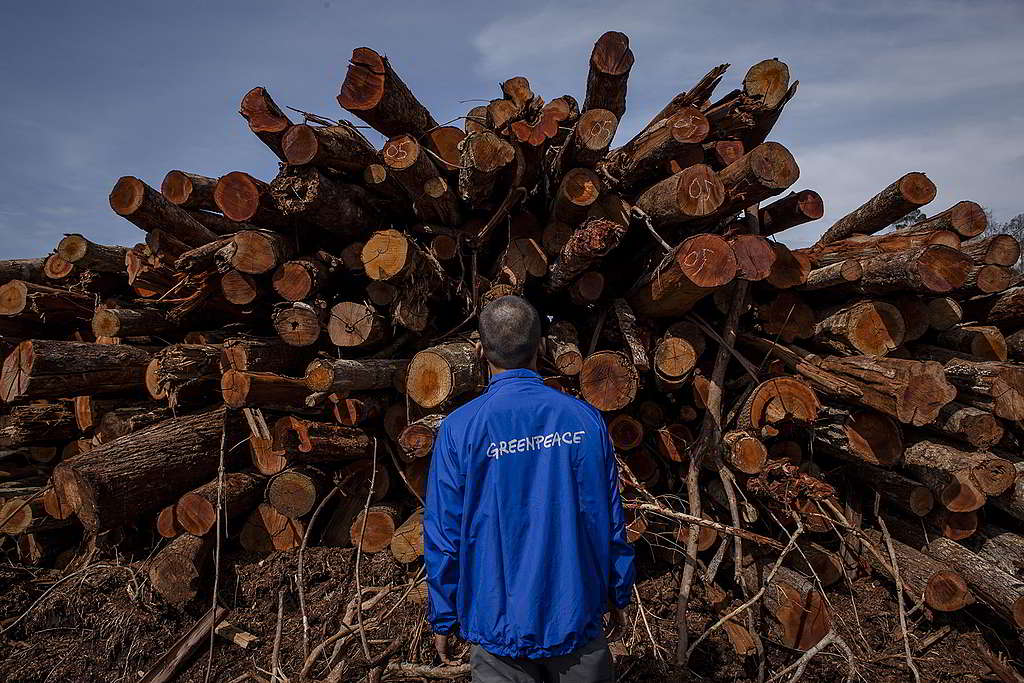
265 119
133 477
37 424
374 92
57 369
608 380
307 195
836 275
775 402
693 192
295 492
983 280
320 442
42 304
870 328
86 255
794 209
891 204
345 376
149 210
966 219
610 63
858 435
971 425
943 589
240 492
176 572
374 529
341 147
245 389
443 372
26 269
988 385
696 268
127 322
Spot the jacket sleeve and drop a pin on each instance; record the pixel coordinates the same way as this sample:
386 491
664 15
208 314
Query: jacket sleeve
620 581
442 523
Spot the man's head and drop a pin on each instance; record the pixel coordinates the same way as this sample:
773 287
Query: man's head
510 333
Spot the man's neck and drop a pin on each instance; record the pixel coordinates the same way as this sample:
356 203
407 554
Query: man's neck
495 370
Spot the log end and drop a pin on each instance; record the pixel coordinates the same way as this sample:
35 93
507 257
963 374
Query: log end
946 591
699 191
177 187
237 195
127 195
364 83
72 248
385 254
611 54
943 269
263 115
299 144
17 368
774 165
195 514
608 380
968 219
56 267
234 387
13 297
106 323
876 328
255 252
917 189
429 380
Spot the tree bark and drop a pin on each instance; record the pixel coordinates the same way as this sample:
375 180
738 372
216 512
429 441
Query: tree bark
443 372
935 269
240 492
891 204
340 147
608 380
56 369
794 209
265 119
970 425
261 354
86 255
176 572
374 92
345 376
584 249
149 210
26 269
939 463
695 269
484 164
189 190
243 389
943 589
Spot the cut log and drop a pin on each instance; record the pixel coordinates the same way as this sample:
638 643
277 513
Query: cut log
561 347
407 541
778 401
351 411
342 376
352 324
561 112
262 390
176 572
239 493
304 277
996 250
433 199
608 380
258 251
695 269
256 354
123 421
89 410
37 424
870 328
798 615
1004 549
745 452
676 354
956 526
1012 501
579 189
295 492
167 523
610 63
983 280
980 341
634 338
443 372
987 385
1004 310
891 204
265 119
56 268
906 494
86 255
243 198
587 144
149 210
947 470
134 477
971 425
43 304
794 209
26 269
858 435
298 323
763 172
935 269
791 268
522 260
341 147
128 322
694 192
644 160
320 442
943 313
417 439
864 247
966 219
625 431
57 369
483 163
721 153
583 250
755 257
374 92
306 195
189 190
266 530
836 275
374 529
943 589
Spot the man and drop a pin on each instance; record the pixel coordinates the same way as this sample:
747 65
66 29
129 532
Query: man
524 535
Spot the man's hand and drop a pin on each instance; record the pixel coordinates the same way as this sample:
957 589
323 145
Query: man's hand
616 622
441 645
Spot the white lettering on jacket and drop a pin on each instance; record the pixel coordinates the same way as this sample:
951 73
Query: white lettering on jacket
533 443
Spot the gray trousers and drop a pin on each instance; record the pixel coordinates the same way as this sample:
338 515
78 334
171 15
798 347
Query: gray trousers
592 663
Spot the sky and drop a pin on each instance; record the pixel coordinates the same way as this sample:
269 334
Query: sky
97 90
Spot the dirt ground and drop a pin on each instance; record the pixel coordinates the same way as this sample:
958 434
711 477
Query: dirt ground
103 623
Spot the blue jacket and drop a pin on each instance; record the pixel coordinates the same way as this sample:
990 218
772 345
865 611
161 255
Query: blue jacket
524 537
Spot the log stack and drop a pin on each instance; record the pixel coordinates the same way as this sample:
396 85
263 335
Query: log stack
273 343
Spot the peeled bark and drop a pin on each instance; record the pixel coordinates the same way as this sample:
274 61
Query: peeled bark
374 92
891 204
584 249
345 376
858 435
320 442
262 390
135 476
189 190
443 372
695 269
239 493
149 210
37 424
794 209
56 369
176 572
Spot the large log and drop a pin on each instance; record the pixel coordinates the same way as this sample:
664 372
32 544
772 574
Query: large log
1004 310
694 192
57 369
86 255
38 424
610 63
43 304
341 147
320 442
149 210
374 529
433 199
306 195
695 269
262 390
858 435
577 192
966 219
943 589
238 492
265 119
794 209
374 92
189 190
176 572
891 204
988 385
870 328
1004 549
443 372
644 160
343 376
257 354
763 172
126 420
135 476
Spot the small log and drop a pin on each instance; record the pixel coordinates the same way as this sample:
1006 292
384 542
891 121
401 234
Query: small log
944 313
966 219
265 119
266 530
744 452
320 442
778 401
484 162
374 529
139 474
561 347
521 261
858 435
189 190
258 251
351 411
693 192
345 376
176 572
417 439
996 250
298 323
673 442
610 63
243 198
56 268
1004 549
433 199
304 277
584 249
577 192
608 380
295 492
352 324
256 354
956 526
125 420
891 204
128 322
987 385
341 147
237 636
86 255
870 328
407 541
794 209
26 269
149 210
970 425
55 369
374 92
695 269
943 589
906 494
307 195
167 522
676 354
37 424
242 389
587 288
625 431
948 471
836 275
42 304
239 492
980 341
798 615
763 172
443 372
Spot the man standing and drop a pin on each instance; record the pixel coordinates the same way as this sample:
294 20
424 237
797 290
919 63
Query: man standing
524 536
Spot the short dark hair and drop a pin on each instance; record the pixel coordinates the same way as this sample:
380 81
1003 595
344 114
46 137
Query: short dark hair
509 332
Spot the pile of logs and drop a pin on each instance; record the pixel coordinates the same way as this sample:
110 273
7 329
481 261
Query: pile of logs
273 361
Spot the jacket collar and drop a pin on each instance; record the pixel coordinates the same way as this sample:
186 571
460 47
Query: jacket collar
512 375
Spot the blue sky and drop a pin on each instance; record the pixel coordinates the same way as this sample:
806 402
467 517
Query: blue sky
96 90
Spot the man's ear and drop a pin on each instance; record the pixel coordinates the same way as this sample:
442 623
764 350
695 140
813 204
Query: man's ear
542 347
478 350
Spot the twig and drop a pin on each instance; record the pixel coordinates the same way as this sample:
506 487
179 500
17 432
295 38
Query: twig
645 219
275 656
899 597
700 521
300 578
216 555
806 657
359 553
405 670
